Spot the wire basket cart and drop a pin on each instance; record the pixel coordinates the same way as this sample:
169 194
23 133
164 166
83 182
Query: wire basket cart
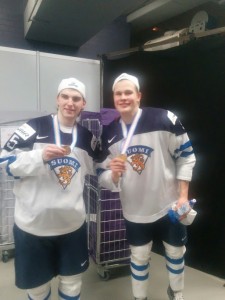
107 241
7 200
108 245
7 204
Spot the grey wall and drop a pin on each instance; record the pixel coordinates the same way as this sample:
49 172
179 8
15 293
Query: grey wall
114 37
35 77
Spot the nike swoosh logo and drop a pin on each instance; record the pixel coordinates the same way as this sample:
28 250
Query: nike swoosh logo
82 264
109 141
41 137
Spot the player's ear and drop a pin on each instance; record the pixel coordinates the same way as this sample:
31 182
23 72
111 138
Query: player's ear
139 96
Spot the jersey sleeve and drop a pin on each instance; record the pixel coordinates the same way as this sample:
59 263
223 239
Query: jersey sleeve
181 149
18 157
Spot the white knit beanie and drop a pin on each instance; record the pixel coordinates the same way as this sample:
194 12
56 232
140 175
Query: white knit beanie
125 76
72 83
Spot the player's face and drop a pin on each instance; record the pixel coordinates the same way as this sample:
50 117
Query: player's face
70 104
126 98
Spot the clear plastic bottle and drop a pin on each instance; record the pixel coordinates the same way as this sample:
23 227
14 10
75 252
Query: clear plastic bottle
177 214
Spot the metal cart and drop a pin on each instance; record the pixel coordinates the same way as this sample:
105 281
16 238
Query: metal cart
7 199
7 203
107 241
108 245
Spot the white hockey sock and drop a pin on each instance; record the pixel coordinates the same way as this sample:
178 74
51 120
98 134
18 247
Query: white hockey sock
175 266
42 292
140 256
70 287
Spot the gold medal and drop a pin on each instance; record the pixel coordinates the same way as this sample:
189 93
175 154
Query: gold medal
67 149
123 157
56 127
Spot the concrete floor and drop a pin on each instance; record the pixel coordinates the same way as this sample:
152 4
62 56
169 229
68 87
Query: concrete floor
198 285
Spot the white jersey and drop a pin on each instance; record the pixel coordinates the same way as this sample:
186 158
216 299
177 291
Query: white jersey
159 154
49 196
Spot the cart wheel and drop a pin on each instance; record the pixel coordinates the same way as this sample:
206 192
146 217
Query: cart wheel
105 275
5 256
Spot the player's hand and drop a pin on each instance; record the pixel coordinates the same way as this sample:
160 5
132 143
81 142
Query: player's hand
118 167
181 201
52 151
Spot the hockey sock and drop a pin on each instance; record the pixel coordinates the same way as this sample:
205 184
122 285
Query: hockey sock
175 266
70 287
140 256
42 292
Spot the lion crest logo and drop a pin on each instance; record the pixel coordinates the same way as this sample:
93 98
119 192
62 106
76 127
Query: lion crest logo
138 156
138 162
65 175
64 168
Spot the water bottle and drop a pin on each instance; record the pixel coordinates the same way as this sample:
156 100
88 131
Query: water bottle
178 214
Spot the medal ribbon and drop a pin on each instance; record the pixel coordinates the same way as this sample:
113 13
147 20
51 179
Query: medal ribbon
56 127
128 136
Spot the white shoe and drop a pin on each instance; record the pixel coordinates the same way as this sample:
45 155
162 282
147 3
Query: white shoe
174 295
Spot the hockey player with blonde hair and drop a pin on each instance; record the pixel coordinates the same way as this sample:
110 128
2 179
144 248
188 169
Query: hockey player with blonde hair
149 159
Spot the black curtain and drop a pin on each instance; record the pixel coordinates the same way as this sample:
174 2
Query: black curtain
190 81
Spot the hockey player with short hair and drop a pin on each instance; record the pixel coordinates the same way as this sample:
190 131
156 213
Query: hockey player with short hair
49 156
149 158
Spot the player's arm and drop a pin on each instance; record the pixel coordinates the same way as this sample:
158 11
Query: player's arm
18 156
183 192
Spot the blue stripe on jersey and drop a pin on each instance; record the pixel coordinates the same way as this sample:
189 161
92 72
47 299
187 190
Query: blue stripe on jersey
175 261
183 147
10 159
186 154
63 296
175 271
139 268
